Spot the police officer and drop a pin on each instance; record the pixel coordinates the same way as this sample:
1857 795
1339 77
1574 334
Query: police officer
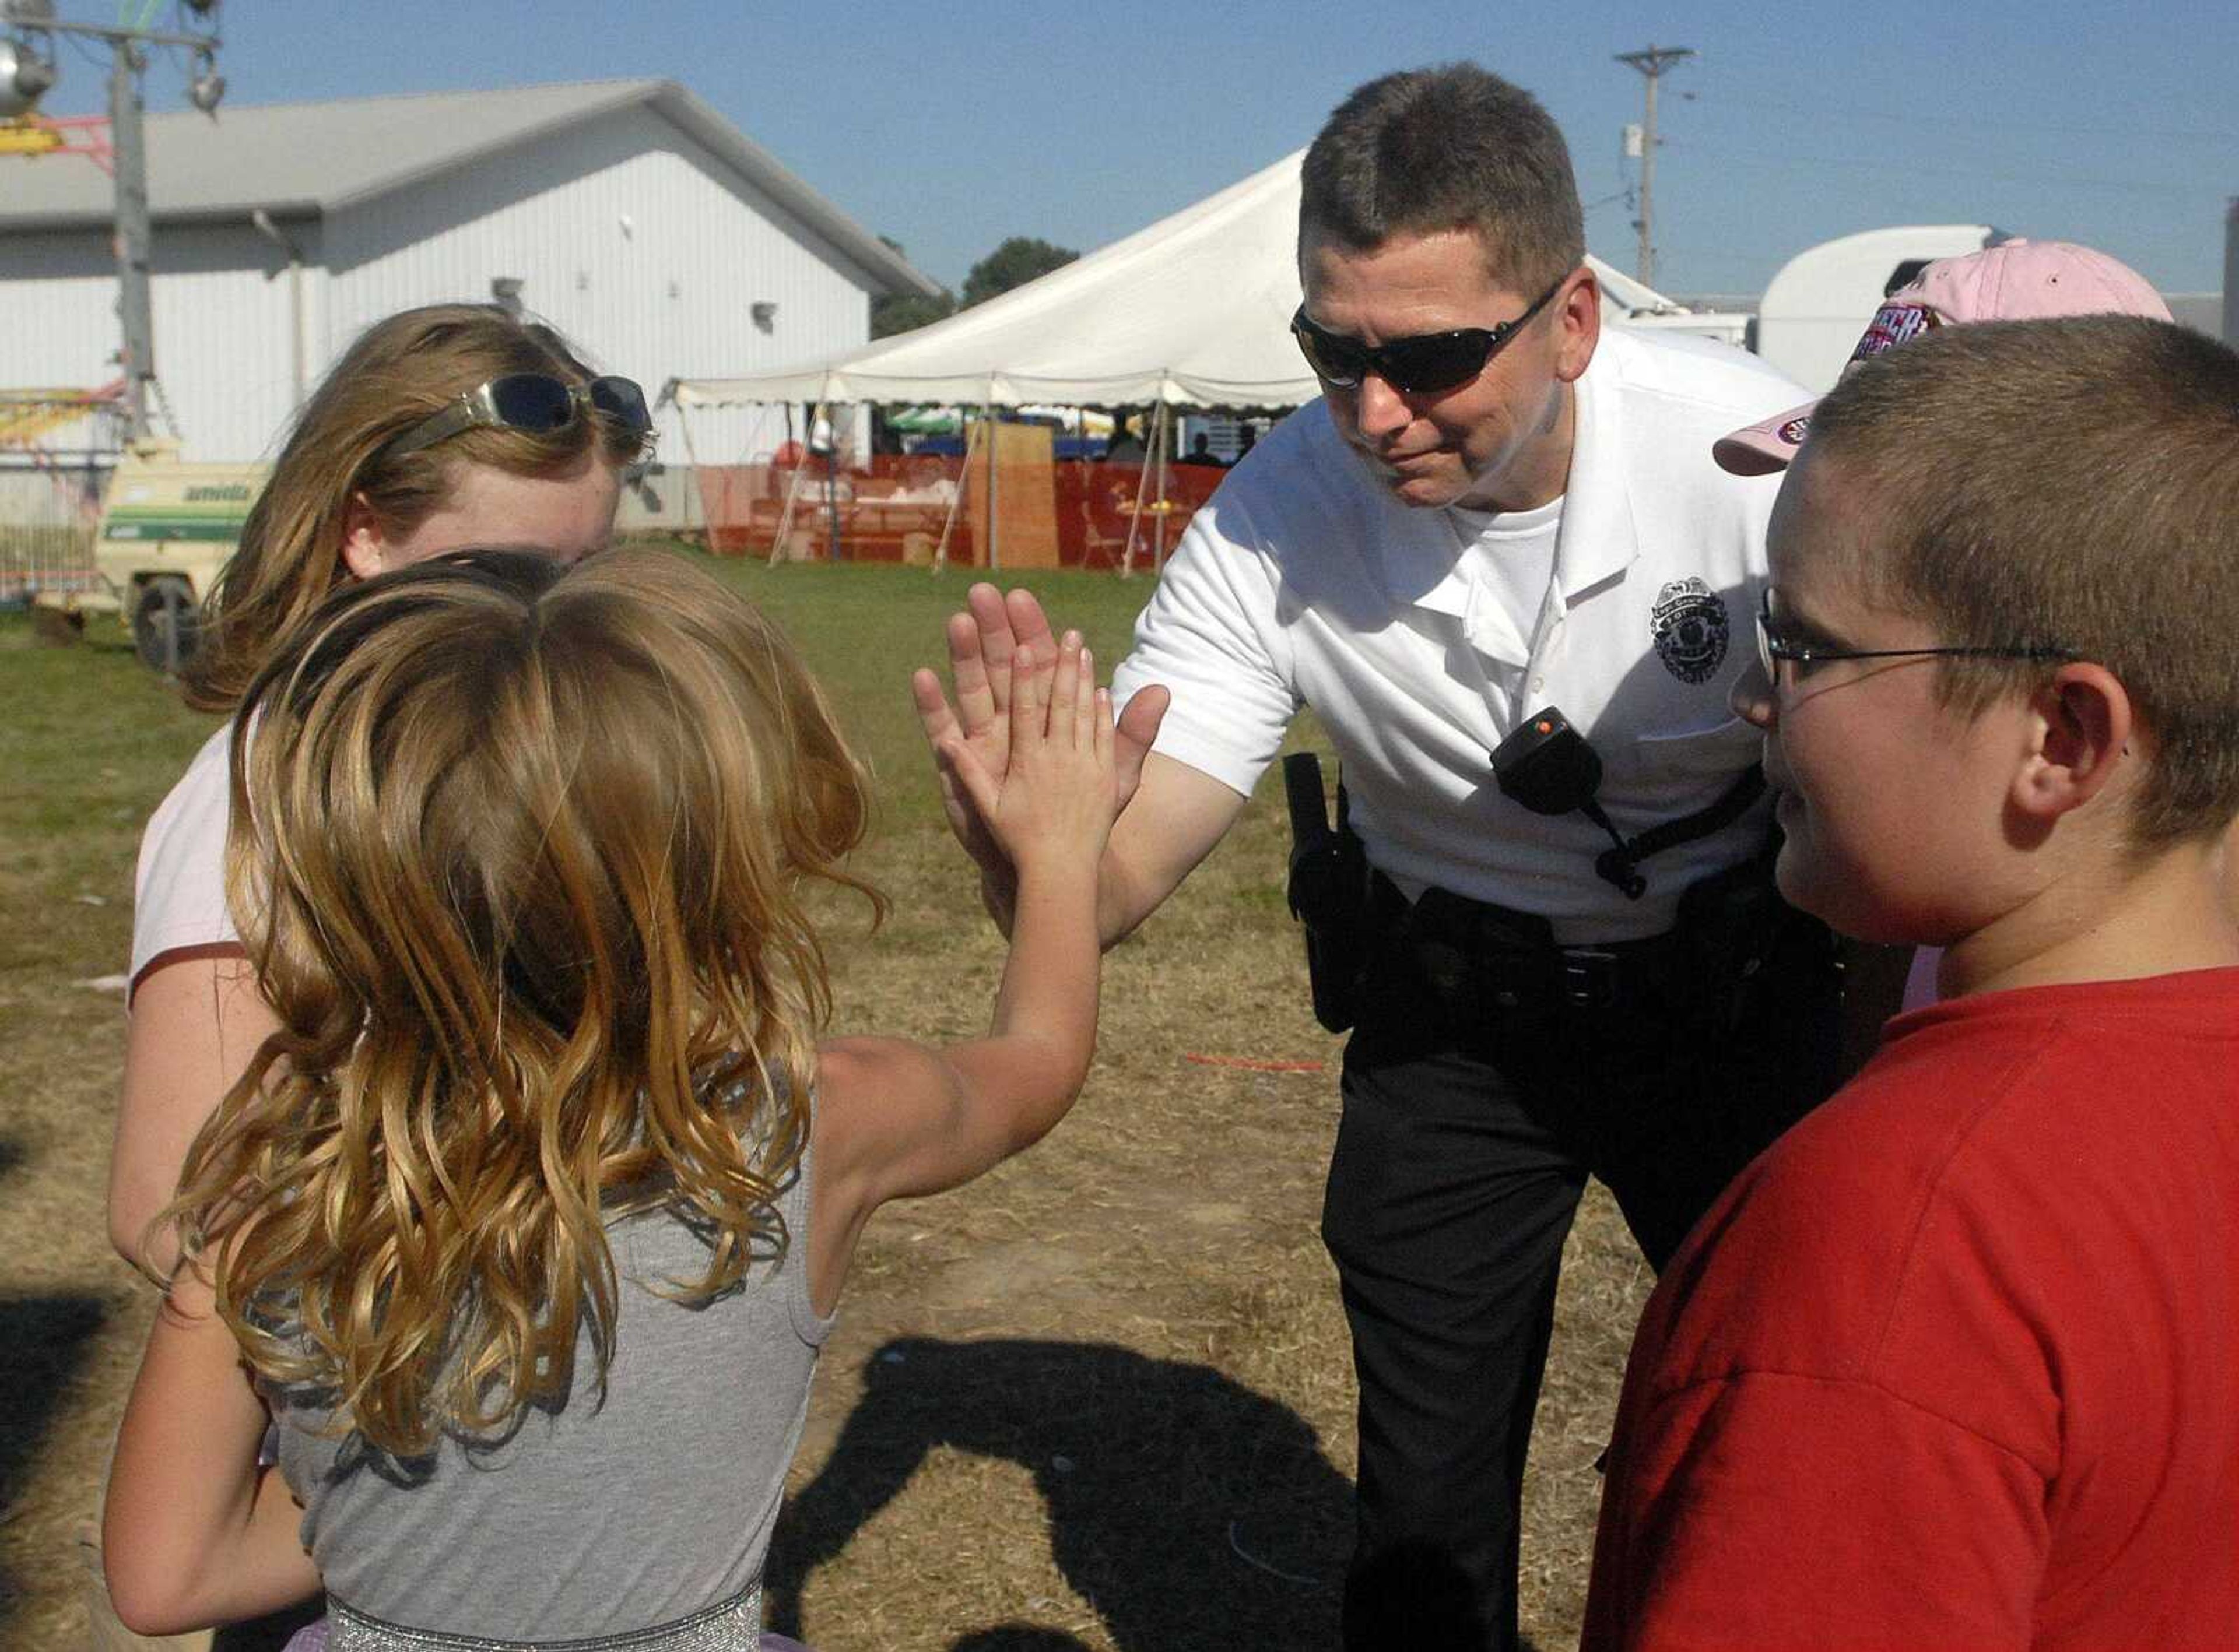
1495 510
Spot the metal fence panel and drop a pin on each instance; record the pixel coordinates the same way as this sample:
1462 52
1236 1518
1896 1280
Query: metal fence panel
48 511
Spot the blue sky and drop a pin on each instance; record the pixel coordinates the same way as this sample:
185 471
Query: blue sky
950 127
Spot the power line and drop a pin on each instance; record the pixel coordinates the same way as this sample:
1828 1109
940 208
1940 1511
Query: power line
1822 111
1801 165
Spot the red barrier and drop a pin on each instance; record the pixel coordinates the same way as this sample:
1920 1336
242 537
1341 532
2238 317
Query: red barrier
895 509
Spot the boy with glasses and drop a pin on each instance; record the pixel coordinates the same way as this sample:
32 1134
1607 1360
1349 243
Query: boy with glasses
1956 1362
2015 280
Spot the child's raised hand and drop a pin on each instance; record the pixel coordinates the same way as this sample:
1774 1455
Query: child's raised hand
1055 798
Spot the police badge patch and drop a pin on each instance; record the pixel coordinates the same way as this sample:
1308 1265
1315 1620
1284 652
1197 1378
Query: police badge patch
1689 624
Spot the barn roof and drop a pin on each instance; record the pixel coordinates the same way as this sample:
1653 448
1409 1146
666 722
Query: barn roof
306 160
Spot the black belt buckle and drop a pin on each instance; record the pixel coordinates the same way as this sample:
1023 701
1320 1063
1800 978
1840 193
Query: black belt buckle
1587 977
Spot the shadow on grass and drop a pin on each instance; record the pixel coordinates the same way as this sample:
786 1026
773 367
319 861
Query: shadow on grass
1184 1509
46 1340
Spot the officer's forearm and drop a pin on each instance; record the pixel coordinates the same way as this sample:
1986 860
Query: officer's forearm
1172 822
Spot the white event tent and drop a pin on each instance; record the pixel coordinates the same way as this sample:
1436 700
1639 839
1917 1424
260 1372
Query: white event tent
1193 312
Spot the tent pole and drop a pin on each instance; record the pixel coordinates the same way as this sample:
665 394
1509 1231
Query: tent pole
792 492
956 501
1160 444
994 493
1135 516
831 485
692 458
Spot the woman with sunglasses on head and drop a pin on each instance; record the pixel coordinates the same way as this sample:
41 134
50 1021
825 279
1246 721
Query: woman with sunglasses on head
441 429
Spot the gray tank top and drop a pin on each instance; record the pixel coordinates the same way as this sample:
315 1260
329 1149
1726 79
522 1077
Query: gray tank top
592 1520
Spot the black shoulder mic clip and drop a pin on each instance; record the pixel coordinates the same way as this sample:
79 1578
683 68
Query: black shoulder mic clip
1550 768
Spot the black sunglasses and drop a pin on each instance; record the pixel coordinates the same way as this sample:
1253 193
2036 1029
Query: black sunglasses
1426 362
537 402
1774 650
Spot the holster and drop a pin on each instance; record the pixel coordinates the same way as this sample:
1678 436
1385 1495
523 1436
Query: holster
1329 893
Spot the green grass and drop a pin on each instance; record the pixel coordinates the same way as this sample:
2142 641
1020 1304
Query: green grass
90 742
864 626
91 739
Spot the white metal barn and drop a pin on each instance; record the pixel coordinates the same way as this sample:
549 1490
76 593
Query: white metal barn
628 212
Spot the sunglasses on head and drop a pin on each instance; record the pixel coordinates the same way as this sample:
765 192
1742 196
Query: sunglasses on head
536 402
1426 363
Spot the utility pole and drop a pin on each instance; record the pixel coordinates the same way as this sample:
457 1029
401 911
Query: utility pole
2231 273
27 22
1651 63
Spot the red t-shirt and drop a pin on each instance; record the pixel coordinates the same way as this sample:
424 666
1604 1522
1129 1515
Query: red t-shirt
1956 1363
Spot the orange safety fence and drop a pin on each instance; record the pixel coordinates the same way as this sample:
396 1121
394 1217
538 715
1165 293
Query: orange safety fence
1099 500
1067 513
891 510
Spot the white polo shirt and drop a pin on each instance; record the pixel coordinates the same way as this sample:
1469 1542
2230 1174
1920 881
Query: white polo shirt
1303 582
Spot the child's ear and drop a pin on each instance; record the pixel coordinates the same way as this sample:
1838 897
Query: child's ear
2083 726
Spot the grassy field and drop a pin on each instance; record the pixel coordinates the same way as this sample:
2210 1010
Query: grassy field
1100 1399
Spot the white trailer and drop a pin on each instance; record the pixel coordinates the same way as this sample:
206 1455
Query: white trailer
1820 299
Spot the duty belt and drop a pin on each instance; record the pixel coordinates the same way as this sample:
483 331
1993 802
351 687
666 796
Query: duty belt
1472 952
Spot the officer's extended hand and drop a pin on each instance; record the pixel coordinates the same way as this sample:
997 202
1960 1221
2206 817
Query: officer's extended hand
981 646
1053 808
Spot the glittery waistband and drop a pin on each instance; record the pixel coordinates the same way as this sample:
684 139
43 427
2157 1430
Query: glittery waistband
734 1626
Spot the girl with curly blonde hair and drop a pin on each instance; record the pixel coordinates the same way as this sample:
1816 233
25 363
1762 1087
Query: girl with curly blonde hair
526 1224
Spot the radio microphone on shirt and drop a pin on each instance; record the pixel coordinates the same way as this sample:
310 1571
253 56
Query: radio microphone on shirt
1548 767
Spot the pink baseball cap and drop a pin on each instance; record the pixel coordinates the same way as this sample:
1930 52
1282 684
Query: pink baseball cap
2014 281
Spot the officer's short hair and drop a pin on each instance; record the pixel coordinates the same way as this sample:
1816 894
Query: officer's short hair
1451 147
2071 484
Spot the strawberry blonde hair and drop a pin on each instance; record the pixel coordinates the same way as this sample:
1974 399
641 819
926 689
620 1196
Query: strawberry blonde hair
523 886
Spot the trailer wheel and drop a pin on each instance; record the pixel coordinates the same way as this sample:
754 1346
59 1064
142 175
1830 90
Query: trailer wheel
165 625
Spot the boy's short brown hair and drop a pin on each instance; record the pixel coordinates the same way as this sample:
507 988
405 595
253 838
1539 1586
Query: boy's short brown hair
2069 484
1428 150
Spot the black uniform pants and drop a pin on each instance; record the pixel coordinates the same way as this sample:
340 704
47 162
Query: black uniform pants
1468 1132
